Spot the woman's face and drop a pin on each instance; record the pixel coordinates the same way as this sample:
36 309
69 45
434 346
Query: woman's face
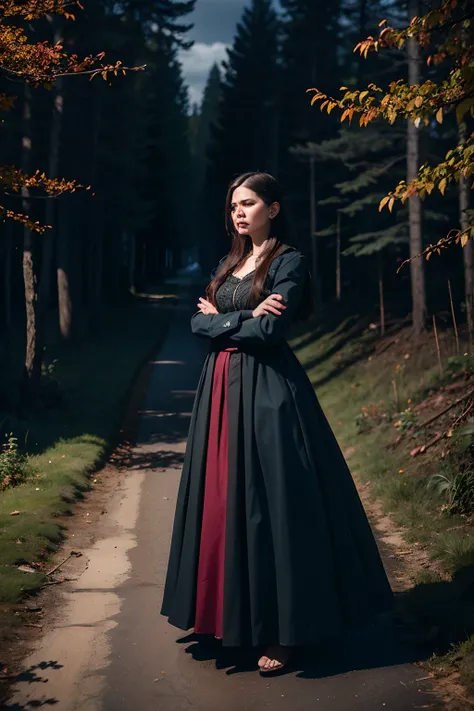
250 214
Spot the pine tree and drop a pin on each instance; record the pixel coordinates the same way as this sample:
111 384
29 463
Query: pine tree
205 122
243 139
310 55
246 135
208 117
166 156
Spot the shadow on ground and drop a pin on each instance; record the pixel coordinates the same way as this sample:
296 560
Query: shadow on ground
380 645
29 676
427 619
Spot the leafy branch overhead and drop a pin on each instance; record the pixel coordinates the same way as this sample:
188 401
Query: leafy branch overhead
447 33
40 64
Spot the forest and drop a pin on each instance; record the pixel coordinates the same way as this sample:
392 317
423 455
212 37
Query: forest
112 181
131 153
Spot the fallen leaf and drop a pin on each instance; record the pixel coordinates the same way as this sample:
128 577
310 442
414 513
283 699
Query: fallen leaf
14 513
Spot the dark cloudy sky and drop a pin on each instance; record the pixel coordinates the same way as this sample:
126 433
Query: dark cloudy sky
214 27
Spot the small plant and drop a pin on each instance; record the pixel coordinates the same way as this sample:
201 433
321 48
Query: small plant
370 416
455 549
47 369
51 395
462 438
14 466
457 487
406 421
461 363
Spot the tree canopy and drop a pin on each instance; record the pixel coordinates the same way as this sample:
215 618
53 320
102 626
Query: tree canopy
446 33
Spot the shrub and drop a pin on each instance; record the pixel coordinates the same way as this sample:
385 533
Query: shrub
457 488
14 466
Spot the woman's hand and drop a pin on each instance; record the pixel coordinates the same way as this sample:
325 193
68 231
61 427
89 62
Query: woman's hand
206 307
272 305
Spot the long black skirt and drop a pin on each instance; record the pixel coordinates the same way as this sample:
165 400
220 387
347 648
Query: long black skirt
270 542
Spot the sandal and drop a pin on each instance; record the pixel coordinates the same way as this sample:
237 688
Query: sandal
274 654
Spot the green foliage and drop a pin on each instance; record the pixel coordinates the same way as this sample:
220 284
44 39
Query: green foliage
461 363
14 465
456 488
406 421
462 438
447 32
370 416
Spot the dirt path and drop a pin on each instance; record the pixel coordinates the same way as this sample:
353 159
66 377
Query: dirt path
109 648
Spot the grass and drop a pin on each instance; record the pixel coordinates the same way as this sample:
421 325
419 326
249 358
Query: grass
368 399
381 387
70 440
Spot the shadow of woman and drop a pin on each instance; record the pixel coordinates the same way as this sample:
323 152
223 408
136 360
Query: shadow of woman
382 644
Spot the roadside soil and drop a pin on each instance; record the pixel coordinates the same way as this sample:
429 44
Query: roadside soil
23 624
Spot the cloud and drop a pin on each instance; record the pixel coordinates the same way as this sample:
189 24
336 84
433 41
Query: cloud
216 19
196 63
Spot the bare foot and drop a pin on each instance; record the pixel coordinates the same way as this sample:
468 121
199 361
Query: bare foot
276 657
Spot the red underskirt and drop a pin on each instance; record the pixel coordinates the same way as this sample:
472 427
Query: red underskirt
210 577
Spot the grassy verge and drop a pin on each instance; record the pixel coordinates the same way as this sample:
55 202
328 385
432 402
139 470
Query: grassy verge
70 440
377 395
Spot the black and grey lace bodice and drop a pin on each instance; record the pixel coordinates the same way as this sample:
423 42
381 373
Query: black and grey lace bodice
234 293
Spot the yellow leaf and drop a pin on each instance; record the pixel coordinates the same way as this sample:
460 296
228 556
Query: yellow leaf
418 101
390 204
362 95
343 88
439 115
442 185
383 202
464 239
463 108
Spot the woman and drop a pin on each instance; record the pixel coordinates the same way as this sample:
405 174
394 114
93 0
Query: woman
271 546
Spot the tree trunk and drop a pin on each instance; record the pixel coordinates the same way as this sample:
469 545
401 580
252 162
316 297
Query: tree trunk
33 356
51 204
414 203
7 281
468 250
99 267
63 264
338 256
96 211
131 263
5 316
53 169
314 238
362 35
381 295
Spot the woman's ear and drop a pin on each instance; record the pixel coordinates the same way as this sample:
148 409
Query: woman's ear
274 210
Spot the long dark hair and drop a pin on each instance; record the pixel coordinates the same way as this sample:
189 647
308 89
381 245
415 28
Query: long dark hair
268 190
